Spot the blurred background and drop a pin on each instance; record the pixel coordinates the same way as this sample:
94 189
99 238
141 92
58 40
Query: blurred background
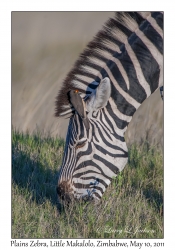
45 46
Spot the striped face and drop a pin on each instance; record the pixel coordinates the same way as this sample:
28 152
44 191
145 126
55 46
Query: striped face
92 156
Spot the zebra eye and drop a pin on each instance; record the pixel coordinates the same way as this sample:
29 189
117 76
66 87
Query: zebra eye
80 144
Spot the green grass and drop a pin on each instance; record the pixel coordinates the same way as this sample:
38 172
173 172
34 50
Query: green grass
132 206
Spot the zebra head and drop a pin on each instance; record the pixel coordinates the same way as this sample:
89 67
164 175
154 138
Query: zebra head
94 151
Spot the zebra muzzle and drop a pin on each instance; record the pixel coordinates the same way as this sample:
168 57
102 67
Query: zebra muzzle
64 191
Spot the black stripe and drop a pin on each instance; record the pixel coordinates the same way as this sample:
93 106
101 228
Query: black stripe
98 79
107 120
104 131
159 18
105 152
92 86
103 123
87 186
117 74
149 66
79 175
105 141
87 152
91 64
96 179
95 54
100 45
93 132
108 143
152 35
96 194
112 167
81 135
83 73
121 124
137 17
71 131
136 91
122 105
107 36
118 137
106 48
115 24
81 80
90 163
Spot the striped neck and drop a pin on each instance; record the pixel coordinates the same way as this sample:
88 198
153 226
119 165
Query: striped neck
129 51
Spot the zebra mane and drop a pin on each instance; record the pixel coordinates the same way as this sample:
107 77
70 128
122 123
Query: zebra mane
86 72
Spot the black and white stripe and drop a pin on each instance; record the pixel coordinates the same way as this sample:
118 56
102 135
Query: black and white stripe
128 53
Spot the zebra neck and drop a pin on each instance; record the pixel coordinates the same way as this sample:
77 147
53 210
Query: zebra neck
129 51
135 73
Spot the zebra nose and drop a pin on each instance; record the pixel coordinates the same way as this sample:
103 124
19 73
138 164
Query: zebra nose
64 191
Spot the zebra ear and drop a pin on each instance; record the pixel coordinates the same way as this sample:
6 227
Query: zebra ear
99 98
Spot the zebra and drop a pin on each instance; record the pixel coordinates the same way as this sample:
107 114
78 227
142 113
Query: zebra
117 71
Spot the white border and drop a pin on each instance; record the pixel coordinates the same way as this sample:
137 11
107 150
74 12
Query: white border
5 97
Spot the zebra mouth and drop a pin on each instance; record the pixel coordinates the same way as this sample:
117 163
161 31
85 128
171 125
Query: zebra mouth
64 191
